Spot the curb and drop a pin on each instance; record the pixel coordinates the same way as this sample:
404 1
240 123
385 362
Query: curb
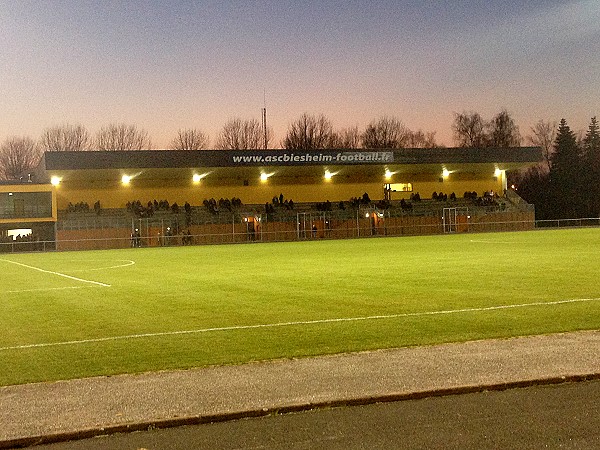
299 407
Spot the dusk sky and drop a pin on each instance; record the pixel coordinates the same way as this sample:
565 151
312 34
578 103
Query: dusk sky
165 65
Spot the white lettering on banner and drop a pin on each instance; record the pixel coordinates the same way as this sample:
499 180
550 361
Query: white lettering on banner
339 158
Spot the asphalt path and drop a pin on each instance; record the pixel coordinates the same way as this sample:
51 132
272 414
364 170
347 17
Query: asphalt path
562 416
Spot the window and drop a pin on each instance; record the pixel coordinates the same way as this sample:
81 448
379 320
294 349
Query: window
19 232
25 205
401 187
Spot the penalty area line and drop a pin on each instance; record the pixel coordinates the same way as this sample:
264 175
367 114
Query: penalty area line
296 323
81 280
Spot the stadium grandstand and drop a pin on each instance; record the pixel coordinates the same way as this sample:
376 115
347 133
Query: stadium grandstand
93 200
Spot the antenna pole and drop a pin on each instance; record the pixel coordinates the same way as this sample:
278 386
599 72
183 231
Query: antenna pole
264 117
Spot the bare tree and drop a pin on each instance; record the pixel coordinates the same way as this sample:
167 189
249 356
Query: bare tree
18 155
543 134
119 137
469 130
238 134
346 138
420 139
72 138
386 132
503 132
309 132
190 139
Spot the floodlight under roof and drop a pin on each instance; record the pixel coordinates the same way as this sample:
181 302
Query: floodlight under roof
265 176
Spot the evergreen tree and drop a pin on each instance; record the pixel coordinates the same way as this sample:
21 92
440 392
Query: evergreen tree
591 168
591 144
565 174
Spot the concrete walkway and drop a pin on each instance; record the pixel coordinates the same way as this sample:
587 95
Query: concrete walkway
50 412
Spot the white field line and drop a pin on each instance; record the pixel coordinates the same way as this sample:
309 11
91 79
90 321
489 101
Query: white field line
126 263
18 291
295 323
57 273
492 241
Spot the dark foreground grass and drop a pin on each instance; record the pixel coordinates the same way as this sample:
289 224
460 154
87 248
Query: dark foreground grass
170 308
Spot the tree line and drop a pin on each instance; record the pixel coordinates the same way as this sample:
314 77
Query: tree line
18 155
564 184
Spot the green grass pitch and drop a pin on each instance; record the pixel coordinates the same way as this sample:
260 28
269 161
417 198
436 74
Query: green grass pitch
77 314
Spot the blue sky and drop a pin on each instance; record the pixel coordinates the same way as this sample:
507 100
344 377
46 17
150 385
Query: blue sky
165 65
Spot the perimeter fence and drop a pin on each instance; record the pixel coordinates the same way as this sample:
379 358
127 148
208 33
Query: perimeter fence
120 232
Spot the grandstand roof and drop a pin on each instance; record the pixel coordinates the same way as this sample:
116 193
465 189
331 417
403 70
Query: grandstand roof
239 163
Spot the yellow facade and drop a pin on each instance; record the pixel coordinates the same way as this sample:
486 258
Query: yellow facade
307 190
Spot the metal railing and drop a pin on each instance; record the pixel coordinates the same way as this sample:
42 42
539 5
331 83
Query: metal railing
568 223
317 226
359 223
